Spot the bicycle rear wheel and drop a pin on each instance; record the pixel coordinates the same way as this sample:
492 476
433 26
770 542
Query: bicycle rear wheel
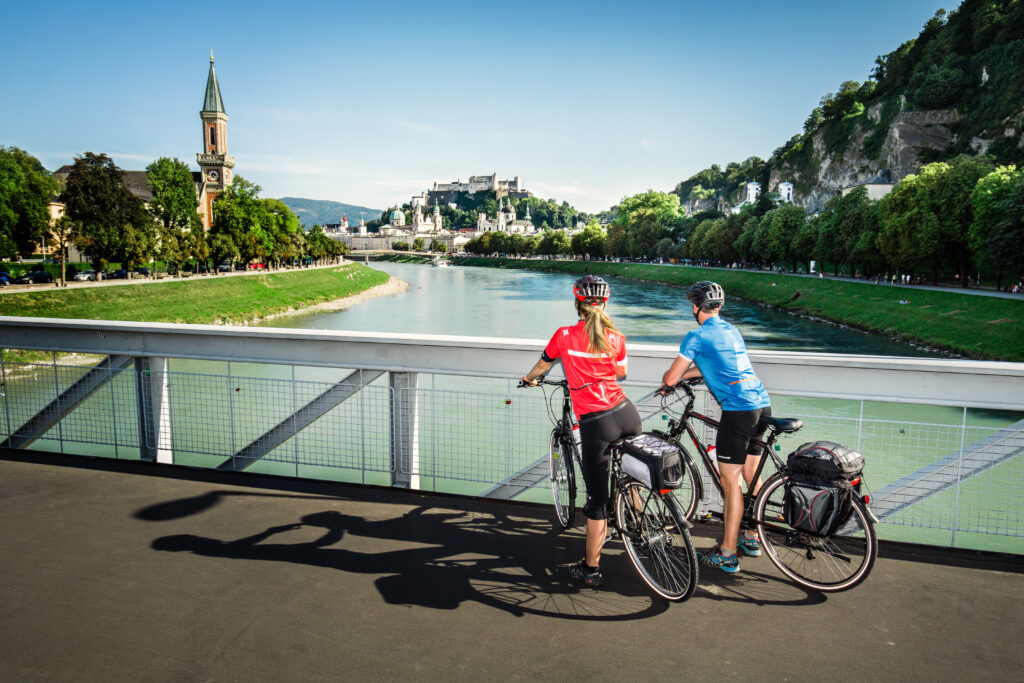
657 540
688 495
829 564
561 455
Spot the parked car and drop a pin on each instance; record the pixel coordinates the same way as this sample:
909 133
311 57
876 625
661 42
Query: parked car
201 268
85 276
5 278
119 275
34 277
143 271
224 267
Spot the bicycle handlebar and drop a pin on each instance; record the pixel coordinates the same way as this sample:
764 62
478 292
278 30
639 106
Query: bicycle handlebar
540 380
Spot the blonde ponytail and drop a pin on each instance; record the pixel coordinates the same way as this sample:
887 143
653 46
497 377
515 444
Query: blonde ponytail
597 323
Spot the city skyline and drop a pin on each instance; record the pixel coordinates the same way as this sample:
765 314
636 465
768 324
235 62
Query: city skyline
370 104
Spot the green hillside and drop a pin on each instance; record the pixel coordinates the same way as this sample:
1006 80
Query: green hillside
320 211
958 87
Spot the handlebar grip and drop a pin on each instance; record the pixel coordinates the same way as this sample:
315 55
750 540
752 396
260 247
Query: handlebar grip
665 390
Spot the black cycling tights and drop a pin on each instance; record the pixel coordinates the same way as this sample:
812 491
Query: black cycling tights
597 431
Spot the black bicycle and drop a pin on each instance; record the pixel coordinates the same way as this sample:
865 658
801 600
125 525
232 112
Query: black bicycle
652 525
834 562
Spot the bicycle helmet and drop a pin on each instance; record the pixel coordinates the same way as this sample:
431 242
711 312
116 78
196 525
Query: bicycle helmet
706 295
591 289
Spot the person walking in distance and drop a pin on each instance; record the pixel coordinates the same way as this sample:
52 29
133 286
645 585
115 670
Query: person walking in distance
716 352
593 355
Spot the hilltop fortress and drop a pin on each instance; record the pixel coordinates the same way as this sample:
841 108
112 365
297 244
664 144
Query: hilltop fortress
398 229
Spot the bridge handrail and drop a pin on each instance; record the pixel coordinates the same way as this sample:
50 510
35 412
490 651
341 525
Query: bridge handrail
930 381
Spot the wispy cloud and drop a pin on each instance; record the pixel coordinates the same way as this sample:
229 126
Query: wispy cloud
423 128
579 194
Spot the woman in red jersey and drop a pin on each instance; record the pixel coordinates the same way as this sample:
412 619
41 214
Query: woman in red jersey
593 355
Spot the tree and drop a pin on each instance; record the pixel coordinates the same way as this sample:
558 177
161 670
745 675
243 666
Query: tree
285 232
439 246
997 232
553 243
590 241
240 214
418 244
400 246
26 189
926 219
110 223
223 249
60 233
174 207
784 225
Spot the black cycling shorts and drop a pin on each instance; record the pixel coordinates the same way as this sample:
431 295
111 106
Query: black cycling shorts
597 431
735 433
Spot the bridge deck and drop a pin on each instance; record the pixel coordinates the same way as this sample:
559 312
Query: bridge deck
138 572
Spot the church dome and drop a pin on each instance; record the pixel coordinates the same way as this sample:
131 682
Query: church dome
396 214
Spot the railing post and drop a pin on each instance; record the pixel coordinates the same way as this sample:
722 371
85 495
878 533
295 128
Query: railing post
152 395
405 451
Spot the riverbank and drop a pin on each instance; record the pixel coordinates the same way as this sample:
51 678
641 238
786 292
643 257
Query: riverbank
226 301
987 328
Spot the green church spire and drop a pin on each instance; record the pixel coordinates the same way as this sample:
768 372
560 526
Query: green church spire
213 101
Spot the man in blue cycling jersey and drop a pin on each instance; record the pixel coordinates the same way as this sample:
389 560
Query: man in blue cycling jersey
716 351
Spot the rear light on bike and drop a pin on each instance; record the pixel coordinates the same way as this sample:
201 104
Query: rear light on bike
866 499
855 481
665 491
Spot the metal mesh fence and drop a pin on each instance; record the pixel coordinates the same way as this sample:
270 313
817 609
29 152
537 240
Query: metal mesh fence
947 484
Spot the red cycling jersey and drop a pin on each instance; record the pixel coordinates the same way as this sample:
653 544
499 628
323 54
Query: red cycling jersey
591 375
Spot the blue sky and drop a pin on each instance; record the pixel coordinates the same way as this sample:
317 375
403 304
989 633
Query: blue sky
370 102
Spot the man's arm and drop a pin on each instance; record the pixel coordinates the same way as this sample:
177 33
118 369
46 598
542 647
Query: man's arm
681 368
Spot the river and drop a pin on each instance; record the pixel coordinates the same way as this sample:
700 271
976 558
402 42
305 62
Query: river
493 302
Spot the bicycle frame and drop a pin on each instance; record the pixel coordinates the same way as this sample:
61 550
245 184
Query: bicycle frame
676 428
565 426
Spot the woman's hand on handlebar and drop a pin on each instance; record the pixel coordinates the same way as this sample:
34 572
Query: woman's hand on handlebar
526 383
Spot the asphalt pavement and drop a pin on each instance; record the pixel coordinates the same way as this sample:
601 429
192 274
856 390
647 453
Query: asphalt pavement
118 571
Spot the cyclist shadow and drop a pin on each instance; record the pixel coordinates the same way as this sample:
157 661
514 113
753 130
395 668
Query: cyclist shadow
490 557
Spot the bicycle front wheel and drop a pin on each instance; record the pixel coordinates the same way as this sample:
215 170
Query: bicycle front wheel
655 534
561 455
824 563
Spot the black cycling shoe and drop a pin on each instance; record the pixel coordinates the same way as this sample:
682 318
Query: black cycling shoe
581 573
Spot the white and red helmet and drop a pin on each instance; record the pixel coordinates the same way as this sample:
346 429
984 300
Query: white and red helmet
591 289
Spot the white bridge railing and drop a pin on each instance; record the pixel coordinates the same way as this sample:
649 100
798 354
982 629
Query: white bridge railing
942 437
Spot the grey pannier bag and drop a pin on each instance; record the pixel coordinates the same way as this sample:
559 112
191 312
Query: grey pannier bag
820 486
653 461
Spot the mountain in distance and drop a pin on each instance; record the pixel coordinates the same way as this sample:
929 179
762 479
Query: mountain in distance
319 211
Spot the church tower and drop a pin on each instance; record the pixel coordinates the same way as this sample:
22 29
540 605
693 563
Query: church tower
214 163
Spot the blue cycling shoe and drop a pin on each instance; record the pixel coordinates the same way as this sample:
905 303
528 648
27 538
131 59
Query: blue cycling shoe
750 546
714 558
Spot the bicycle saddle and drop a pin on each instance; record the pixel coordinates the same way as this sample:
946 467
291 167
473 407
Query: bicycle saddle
784 425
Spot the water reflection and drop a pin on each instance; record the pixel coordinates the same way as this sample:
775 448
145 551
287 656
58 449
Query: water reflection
494 302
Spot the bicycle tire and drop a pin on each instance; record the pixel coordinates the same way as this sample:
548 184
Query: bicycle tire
661 550
561 455
828 564
688 495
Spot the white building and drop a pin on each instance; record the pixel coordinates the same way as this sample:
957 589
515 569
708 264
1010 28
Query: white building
505 221
480 183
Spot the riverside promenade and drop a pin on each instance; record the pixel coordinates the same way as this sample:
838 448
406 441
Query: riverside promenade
114 571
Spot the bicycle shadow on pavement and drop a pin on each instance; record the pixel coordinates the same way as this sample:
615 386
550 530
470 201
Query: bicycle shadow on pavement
508 561
757 582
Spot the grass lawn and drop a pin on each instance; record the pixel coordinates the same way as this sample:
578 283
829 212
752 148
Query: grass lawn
203 300
975 326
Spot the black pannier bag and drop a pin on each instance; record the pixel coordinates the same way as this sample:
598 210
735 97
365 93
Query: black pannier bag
819 491
653 461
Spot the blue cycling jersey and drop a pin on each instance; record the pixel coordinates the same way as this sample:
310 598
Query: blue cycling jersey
718 350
